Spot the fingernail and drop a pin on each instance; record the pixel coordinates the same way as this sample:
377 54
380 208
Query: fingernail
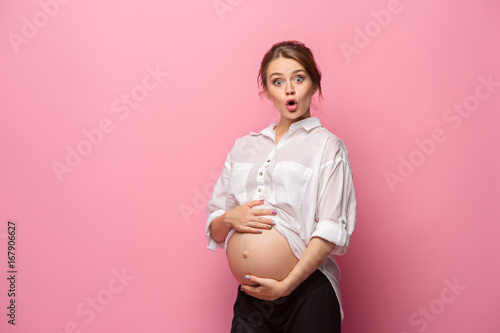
273 223
261 200
247 277
275 212
260 231
269 226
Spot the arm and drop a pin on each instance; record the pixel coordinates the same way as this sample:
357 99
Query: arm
315 254
219 228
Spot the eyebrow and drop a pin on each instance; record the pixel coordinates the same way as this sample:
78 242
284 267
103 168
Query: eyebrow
295 71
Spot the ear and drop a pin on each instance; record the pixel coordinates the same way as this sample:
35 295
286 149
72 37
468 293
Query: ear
315 88
265 92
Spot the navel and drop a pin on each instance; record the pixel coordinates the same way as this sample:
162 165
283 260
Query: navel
245 254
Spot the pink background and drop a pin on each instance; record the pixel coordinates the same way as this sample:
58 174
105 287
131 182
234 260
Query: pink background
135 203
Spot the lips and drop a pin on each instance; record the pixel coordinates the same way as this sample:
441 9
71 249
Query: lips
291 105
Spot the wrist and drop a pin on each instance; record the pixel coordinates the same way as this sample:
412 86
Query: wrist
225 221
219 228
289 285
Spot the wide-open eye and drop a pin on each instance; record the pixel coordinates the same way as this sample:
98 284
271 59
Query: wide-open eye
299 79
278 82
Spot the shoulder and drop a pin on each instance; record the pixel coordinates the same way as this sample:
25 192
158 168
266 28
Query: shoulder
245 144
329 139
332 146
253 137
245 140
325 133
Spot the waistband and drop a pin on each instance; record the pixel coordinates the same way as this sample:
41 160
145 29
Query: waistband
315 280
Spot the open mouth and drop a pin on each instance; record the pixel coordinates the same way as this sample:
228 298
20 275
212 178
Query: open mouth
291 105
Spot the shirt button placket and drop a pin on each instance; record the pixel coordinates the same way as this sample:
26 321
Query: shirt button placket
260 183
260 176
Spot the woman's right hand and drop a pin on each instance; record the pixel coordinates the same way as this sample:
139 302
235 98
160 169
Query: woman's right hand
246 219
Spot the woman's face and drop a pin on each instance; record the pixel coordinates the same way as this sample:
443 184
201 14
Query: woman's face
290 88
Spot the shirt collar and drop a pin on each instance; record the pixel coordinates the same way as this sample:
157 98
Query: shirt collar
307 124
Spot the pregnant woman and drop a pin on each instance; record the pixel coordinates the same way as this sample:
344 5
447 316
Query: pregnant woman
284 206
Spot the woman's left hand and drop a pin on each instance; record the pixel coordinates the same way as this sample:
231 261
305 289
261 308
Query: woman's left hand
267 289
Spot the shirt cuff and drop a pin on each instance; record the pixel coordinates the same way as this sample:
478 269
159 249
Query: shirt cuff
333 232
212 244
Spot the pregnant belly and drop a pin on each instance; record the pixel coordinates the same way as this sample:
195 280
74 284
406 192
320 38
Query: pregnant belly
266 255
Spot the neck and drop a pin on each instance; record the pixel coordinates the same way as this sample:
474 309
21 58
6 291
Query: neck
284 123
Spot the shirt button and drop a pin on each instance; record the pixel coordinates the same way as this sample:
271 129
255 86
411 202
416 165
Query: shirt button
343 221
260 173
268 161
260 190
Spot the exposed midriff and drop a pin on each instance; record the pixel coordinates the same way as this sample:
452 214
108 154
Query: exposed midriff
266 255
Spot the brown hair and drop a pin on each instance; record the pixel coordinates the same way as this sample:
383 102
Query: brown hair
292 50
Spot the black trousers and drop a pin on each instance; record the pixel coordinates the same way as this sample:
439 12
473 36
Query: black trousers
311 308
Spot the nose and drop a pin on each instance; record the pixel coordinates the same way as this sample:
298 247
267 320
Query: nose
290 90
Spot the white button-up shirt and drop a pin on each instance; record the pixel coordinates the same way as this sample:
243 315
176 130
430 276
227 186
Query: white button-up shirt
306 178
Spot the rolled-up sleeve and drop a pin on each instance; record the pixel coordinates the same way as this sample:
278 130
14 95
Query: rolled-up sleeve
336 200
217 203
